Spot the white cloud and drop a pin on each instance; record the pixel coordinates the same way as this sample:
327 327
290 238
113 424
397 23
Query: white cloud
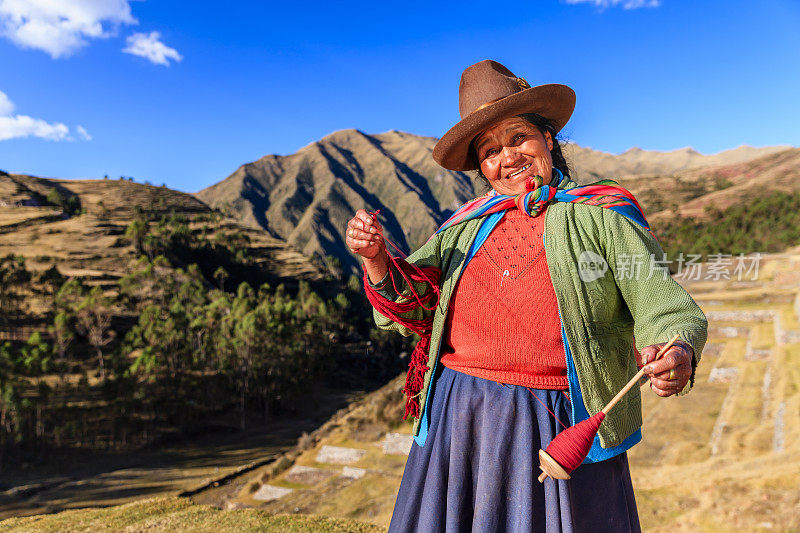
60 27
24 126
82 133
149 46
6 105
20 126
624 4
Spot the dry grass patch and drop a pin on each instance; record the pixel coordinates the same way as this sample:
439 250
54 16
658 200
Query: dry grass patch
17 215
178 515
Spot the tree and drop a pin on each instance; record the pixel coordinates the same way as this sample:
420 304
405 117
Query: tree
334 265
354 284
61 331
11 403
236 242
220 274
52 279
69 204
169 341
34 357
136 232
13 279
152 282
70 294
93 317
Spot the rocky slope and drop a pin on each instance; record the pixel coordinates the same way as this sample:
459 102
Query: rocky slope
306 198
589 165
690 191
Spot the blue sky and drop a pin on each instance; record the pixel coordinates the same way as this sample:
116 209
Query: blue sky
183 93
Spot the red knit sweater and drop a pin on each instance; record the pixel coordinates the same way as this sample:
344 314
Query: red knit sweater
503 321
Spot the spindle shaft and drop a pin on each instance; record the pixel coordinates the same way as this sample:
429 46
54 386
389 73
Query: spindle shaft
572 445
638 376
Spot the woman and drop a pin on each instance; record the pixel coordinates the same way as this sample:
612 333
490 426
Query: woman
537 313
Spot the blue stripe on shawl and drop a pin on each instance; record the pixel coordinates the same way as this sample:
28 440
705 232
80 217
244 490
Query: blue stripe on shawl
630 211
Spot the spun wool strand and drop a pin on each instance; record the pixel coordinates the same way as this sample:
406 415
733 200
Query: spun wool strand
429 300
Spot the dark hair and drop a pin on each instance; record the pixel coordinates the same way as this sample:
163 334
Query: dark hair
543 125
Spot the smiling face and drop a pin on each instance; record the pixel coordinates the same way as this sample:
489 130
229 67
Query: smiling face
512 151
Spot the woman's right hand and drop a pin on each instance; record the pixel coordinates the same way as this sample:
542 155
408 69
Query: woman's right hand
364 235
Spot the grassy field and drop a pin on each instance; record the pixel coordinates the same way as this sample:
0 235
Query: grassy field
179 515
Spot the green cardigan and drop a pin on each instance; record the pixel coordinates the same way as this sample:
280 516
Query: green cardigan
601 317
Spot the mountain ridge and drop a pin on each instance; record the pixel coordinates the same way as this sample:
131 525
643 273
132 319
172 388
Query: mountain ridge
306 198
301 195
590 164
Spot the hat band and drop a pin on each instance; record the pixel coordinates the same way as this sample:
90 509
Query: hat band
522 86
487 104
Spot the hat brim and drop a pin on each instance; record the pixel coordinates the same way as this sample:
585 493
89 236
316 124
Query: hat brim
552 101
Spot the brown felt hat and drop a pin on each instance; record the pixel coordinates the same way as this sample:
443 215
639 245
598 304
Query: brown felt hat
488 93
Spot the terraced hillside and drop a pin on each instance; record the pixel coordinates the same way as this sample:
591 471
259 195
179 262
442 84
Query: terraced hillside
725 457
728 455
72 333
91 243
78 227
719 186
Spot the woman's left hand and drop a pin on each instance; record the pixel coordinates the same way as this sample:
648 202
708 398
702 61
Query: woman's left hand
670 373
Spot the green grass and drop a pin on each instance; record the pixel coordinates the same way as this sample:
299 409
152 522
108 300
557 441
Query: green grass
178 515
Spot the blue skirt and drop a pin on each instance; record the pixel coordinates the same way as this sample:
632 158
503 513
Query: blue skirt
478 469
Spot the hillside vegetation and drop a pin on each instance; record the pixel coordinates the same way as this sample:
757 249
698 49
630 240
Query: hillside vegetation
768 223
689 192
134 313
82 225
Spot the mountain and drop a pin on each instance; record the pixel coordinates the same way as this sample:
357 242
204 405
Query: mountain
743 181
690 191
306 198
590 165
